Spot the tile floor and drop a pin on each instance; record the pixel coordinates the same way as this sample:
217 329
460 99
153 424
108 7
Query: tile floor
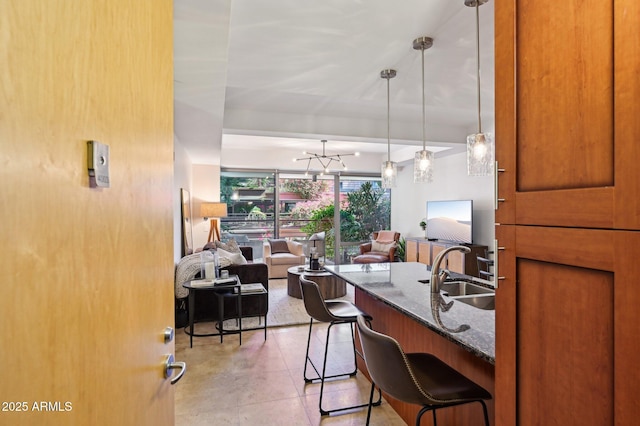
261 383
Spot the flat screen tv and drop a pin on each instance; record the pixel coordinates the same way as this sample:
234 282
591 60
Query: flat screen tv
450 220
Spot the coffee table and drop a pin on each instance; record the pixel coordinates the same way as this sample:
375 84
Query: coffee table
331 287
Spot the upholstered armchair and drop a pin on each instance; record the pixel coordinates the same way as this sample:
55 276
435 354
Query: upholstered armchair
280 255
381 249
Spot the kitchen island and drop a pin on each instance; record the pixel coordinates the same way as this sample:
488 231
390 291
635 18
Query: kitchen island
403 307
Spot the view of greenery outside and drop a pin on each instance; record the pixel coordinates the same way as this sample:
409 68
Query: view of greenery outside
306 207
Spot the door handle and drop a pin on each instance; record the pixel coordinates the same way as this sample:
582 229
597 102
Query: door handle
170 365
495 186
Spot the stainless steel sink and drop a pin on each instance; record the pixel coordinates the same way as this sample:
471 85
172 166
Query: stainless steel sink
463 288
480 301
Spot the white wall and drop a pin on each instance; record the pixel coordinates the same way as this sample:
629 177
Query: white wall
182 178
206 188
450 182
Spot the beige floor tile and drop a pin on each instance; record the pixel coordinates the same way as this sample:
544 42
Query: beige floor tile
261 383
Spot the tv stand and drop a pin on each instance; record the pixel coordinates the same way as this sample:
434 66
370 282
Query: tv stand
425 250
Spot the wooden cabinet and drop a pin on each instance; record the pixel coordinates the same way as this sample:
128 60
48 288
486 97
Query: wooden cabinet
566 129
425 251
411 250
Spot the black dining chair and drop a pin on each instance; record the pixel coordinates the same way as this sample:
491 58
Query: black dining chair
415 378
333 312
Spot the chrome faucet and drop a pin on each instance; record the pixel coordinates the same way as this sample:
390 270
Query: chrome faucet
438 276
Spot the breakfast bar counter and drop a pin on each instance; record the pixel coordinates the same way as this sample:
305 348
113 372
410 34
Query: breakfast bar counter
403 307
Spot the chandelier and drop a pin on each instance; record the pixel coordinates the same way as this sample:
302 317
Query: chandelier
324 159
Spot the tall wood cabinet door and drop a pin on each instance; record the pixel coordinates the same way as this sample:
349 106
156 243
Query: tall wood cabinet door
566 327
567 109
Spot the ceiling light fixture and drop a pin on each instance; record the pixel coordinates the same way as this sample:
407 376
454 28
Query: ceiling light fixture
389 170
324 159
423 160
479 145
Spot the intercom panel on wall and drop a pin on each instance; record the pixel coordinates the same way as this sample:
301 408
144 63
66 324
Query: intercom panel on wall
98 164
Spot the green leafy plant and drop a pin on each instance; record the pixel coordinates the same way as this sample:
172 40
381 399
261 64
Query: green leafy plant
322 220
371 208
401 250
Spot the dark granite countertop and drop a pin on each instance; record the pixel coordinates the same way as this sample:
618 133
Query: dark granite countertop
396 284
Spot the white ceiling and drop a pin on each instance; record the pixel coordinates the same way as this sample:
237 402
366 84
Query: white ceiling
300 70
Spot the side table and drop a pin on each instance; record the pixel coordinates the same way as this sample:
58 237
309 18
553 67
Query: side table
237 291
220 291
331 287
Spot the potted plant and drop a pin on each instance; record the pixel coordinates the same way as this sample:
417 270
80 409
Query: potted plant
423 225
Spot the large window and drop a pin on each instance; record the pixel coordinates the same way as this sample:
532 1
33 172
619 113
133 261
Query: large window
250 198
299 206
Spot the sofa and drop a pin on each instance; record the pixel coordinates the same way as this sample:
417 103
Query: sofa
206 307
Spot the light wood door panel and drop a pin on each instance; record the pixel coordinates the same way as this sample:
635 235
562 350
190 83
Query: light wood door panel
87 273
411 251
456 261
424 253
565 116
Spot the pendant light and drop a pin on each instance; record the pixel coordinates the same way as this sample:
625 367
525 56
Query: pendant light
423 160
389 168
479 145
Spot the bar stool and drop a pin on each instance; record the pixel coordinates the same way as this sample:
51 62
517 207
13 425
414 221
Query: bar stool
484 267
334 312
415 378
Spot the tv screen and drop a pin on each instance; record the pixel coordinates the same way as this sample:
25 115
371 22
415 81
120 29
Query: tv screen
450 220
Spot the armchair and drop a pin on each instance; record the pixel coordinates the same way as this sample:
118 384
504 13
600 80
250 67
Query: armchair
280 255
381 249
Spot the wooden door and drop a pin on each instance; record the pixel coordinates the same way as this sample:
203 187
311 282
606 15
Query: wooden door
87 273
567 109
566 122
565 317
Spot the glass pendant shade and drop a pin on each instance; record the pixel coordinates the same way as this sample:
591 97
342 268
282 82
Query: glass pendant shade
389 169
423 166
480 154
423 161
479 145
389 172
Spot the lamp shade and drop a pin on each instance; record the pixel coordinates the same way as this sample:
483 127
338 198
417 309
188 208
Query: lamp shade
213 210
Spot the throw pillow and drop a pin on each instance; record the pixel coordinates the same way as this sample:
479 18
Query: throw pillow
231 246
279 246
386 236
382 247
228 258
